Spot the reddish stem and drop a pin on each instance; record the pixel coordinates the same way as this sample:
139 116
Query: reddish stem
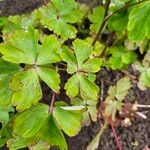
115 135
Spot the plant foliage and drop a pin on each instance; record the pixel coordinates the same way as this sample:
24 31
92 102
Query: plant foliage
58 43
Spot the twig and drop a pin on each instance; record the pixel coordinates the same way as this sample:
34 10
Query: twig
52 103
103 22
107 44
129 75
115 135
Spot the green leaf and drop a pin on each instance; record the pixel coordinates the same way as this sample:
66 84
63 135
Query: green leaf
6 71
79 83
5 134
68 56
72 86
96 18
37 124
82 50
51 134
26 89
116 94
118 22
2 21
40 146
144 69
29 122
89 112
80 64
48 52
50 77
38 59
18 143
21 47
88 90
5 91
111 109
72 127
19 22
95 142
7 68
59 16
122 88
146 60
139 22
130 45
4 114
121 58
145 77
97 49
92 65
111 93
78 61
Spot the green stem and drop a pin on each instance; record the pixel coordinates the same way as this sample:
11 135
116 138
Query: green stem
95 142
103 23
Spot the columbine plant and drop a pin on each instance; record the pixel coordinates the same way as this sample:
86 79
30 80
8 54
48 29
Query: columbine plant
117 35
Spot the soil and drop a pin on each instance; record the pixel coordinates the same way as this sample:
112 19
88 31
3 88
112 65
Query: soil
134 137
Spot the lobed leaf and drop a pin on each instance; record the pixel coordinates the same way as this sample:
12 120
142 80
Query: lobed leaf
72 127
96 18
26 89
88 90
121 57
116 95
82 51
92 65
139 22
51 133
72 86
7 70
29 122
21 47
59 16
48 52
68 56
50 77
